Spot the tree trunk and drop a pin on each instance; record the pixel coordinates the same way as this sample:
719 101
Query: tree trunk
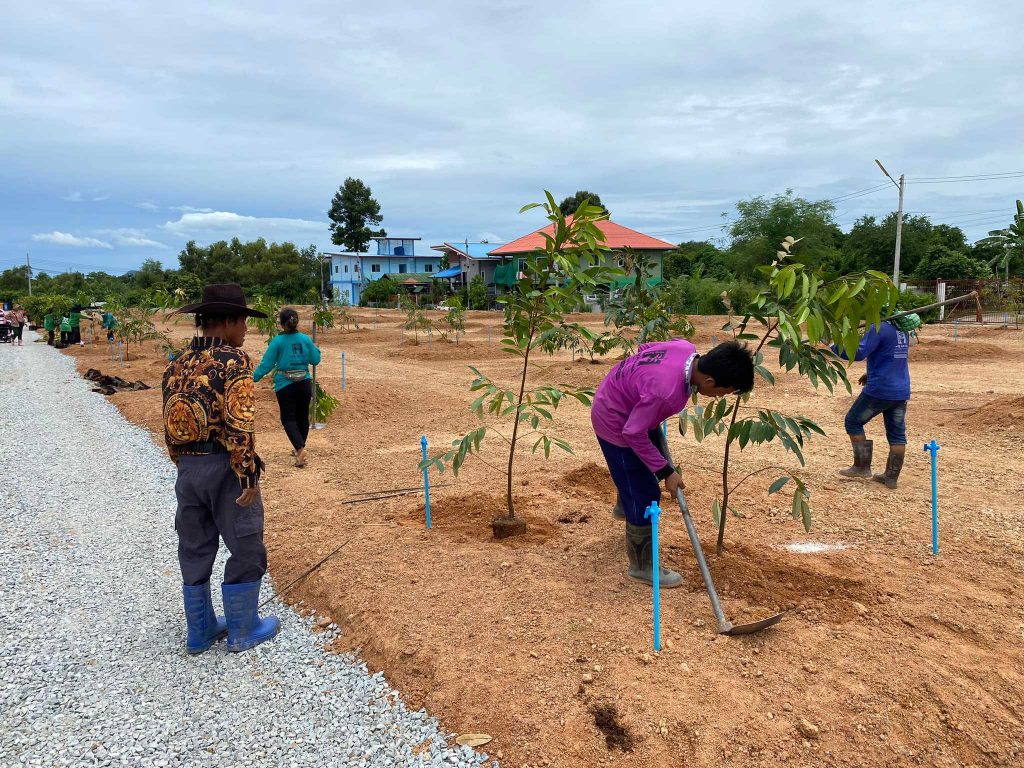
515 427
723 516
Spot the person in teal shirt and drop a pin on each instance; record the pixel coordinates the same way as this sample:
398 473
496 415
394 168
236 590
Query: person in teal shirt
110 323
291 353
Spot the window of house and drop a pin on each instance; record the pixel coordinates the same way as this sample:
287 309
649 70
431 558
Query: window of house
335 269
346 267
402 268
428 267
375 267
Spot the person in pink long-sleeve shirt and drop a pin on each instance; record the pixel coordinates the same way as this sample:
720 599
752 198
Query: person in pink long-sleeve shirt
635 397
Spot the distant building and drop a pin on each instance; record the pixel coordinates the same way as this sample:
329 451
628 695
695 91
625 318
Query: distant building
617 238
395 257
467 260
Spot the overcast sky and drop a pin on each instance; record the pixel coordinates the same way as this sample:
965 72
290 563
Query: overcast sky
128 128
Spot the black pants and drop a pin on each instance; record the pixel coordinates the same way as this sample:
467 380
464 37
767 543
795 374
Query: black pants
294 402
49 338
65 338
76 335
206 491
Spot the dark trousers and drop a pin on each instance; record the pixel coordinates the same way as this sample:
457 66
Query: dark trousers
206 491
294 402
18 331
76 335
894 416
65 337
49 338
636 484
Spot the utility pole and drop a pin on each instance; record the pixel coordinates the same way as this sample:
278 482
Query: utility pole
28 265
899 224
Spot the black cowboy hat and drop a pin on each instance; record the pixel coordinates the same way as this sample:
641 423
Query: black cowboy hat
222 299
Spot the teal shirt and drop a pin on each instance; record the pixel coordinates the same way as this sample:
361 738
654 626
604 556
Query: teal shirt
287 352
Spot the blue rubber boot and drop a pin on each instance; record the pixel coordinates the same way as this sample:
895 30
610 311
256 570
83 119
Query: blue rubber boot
204 628
245 627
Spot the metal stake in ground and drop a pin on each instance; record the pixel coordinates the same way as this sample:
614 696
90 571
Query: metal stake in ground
725 627
933 449
652 513
343 371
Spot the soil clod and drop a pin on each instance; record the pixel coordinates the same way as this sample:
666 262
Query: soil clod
616 735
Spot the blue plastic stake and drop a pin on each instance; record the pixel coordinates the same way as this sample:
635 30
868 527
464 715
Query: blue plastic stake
426 480
343 370
664 429
933 448
653 512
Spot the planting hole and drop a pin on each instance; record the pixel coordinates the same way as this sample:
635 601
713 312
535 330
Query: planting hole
616 735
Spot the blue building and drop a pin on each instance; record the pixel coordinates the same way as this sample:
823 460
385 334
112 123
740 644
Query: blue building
395 256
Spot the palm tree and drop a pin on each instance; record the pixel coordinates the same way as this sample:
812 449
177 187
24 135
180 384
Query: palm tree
1011 238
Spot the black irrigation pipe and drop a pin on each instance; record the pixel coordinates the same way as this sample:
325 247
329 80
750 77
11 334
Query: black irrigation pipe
304 574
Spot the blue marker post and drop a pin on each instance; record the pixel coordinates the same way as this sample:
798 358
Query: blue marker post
426 480
343 370
664 429
933 448
653 512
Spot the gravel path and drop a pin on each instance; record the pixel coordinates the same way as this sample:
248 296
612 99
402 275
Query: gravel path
93 669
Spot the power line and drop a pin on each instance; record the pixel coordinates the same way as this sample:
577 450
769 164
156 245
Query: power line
970 176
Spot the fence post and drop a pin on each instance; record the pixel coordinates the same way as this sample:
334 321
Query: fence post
940 295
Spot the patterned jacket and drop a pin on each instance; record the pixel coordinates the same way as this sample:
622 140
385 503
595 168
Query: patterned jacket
209 395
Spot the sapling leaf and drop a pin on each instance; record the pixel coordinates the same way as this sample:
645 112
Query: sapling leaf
777 485
797 509
716 512
805 514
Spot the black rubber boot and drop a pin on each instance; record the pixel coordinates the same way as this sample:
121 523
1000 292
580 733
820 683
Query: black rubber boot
861 460
893 467
638 549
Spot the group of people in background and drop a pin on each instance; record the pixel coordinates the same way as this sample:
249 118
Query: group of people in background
13 323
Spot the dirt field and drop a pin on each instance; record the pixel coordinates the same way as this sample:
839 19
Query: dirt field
887 656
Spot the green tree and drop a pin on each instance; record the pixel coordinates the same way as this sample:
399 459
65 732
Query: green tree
871 244
555 278
640 314
764 221
693 255
569 205
150 274
1011 241
353 210
795 297
477 293
943 263
379 291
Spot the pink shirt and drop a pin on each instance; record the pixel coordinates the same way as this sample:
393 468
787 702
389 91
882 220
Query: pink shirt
641 392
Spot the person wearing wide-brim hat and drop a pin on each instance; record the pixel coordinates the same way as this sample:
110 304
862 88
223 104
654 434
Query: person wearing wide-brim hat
209 427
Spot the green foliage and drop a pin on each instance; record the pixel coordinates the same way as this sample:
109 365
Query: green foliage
910 299
135 324
1010 240
477 293
415 319
942 263
695 258
555 277
325 405
569 205
379 291
796 297
640 313
39 305
353 210
343 312
267 326
762 222
279 270
454 321
697 295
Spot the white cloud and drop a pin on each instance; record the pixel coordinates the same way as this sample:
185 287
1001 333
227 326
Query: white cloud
189 209
430 161
225 224
74 197
64 238
101 198
131 238
148 206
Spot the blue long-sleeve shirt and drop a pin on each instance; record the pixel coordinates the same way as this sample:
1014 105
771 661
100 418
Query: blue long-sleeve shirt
287 352
886 349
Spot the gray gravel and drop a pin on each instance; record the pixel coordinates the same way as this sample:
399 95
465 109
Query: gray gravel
92 663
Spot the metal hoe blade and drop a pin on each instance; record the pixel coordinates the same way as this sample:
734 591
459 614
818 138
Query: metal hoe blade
725 627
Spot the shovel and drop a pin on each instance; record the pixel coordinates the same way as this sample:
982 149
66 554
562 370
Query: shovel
725 627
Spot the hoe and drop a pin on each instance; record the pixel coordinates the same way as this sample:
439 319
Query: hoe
725 627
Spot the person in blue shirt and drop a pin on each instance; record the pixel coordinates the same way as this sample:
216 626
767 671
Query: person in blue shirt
291 353
886 391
